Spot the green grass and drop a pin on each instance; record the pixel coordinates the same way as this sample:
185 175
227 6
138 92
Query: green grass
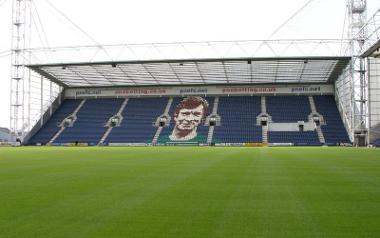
189 192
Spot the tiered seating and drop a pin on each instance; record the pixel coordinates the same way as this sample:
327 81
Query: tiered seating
44 135
201 130
288 108
334 130
89 126
238 115
376 142
139 117
375 134
295 137
238 121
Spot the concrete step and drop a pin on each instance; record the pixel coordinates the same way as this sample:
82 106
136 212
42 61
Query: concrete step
265 134
157 135
121 109
167 108
104 137
210 134
312 104
56 135
321 137
263 104
216 105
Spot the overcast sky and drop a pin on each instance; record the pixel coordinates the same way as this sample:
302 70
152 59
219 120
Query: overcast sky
141 21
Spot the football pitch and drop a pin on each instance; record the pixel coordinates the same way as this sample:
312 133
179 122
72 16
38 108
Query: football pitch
189 192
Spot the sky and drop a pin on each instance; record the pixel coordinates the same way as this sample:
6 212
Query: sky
146 21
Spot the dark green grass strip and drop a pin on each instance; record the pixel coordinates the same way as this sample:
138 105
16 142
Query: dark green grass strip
189 192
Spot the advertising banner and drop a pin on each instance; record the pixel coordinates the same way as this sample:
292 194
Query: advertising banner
200 90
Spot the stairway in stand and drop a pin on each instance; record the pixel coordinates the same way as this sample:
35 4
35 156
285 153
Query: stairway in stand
62 126
211 129
318 128
108 131
159 129
264 128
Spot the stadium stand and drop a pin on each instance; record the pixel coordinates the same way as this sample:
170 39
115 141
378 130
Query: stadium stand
139 116
89 126
333 130
51 127
288 108
376 142
295 137
238 120
375 135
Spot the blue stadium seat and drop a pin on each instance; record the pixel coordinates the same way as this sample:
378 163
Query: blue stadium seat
295 137
91 118
288 108
376 142
238 120
139 117
334 130
50 128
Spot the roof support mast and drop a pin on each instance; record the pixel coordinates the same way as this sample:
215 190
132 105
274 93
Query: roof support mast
357 10
20 75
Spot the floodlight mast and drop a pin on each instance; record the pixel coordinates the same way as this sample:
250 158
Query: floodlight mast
357 10
20 75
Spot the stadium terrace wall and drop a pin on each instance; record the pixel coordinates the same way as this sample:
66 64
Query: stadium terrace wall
301 89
